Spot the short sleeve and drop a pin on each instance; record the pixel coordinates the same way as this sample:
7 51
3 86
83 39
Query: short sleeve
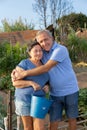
22 64
59 54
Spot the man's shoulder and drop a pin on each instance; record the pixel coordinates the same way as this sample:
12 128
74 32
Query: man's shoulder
58 46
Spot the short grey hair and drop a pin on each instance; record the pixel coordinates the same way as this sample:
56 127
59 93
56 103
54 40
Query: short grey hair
44 31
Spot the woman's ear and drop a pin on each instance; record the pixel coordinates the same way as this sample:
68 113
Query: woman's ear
29 54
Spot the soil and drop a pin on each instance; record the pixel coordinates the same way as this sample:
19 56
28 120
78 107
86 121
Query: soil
82 79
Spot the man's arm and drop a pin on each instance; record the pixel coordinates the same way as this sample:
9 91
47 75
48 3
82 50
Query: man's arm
41 69
36 71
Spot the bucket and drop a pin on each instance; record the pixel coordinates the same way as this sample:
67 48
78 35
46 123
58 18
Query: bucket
39 107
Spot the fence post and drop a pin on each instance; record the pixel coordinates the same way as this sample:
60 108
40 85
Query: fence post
6 123
9 110
18 122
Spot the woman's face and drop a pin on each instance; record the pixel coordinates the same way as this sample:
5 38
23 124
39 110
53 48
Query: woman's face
36 52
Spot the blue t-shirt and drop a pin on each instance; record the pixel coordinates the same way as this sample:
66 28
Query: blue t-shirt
62 77
25 93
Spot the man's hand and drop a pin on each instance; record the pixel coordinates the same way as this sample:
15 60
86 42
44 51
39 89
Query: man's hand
17 73
13 77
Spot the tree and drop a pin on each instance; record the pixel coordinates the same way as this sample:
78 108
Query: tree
40 7
74 20
50 10
70 23
59 8
18 25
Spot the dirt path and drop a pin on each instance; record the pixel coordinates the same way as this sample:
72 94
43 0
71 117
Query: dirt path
82 79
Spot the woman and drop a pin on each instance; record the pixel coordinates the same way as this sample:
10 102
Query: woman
34 85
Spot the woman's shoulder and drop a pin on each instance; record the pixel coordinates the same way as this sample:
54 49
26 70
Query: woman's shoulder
25 61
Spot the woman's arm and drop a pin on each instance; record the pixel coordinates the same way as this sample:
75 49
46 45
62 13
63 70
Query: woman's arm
26 83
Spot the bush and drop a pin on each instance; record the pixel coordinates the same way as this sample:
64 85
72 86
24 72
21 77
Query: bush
9 58
77 48
83 101
2 112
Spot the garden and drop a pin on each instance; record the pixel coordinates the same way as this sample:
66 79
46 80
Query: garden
10 55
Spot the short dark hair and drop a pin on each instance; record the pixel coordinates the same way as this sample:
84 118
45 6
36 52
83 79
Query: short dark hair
31 45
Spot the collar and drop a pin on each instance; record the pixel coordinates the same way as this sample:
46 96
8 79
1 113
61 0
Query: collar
55 44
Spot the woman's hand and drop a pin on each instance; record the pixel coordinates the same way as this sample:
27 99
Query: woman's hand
35 86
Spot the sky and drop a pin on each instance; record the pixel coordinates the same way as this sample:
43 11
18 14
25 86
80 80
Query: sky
13 9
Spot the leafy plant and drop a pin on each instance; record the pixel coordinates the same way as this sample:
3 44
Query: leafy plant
77 48
18 25
2 112
9 58
83 101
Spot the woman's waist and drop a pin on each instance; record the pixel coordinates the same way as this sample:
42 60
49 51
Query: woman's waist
28 91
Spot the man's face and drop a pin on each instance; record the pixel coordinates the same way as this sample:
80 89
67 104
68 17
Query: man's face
45 41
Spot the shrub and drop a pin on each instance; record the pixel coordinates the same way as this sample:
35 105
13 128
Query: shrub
77 48
9 58
83 101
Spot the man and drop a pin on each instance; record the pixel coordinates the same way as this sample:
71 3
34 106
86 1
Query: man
63 83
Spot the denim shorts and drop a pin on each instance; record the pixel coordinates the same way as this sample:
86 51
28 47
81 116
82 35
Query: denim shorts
69 103
22 108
